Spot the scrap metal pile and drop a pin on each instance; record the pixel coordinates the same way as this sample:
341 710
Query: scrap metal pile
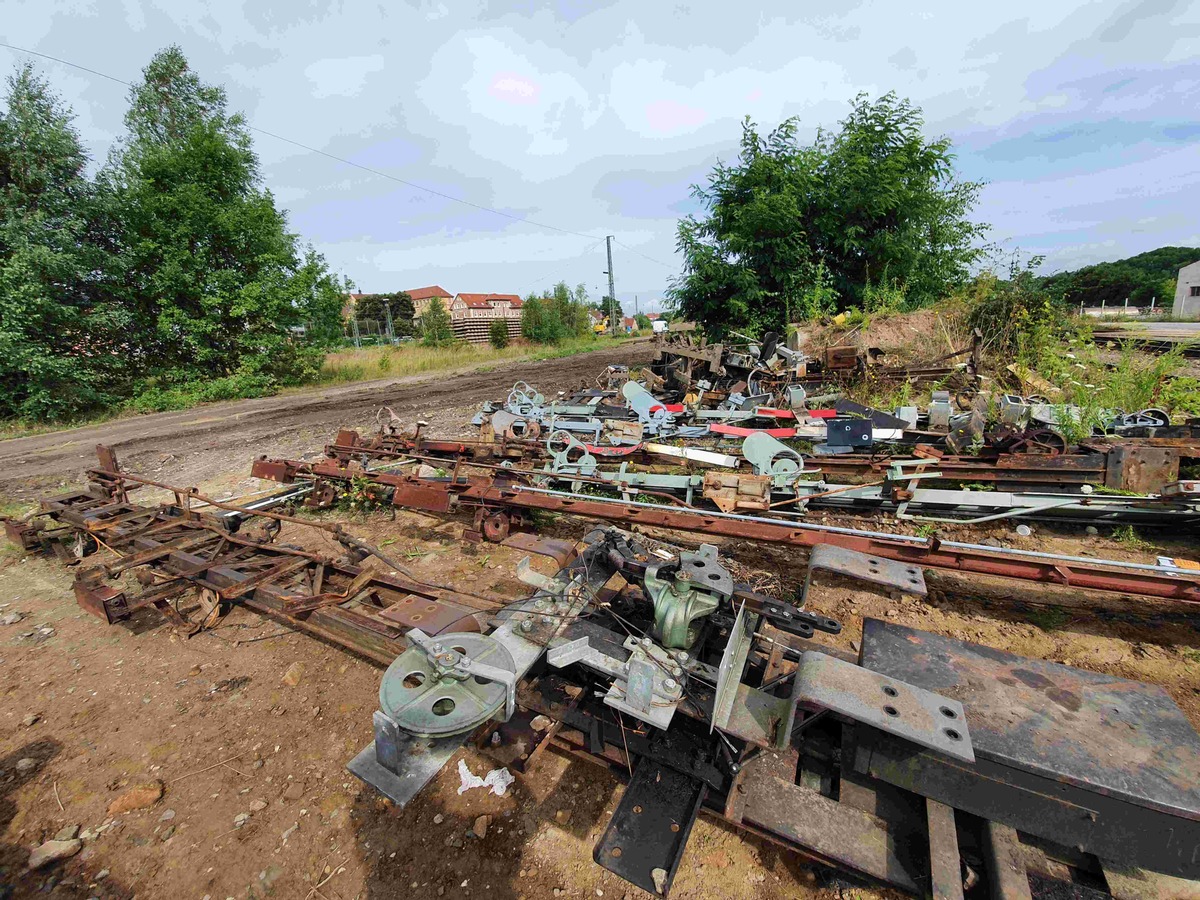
929 764
933 765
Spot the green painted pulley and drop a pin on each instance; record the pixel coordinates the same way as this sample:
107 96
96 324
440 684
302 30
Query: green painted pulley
449 684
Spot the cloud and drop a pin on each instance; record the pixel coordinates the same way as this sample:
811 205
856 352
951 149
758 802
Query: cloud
342 77
596 117
670 116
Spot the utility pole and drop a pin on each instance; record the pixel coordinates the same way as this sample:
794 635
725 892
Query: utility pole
387 310
612 290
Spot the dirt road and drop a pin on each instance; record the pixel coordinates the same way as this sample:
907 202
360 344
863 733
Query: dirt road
197 445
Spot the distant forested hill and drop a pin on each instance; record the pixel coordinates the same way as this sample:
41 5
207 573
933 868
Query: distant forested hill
1139 278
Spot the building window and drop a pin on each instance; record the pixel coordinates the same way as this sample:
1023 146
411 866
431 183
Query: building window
1196 290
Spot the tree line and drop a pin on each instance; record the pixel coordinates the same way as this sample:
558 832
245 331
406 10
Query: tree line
1142 279
168 268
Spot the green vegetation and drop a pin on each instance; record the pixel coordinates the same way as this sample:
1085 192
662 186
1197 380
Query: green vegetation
396 307
557 315
498 334
1139 278
171 273
1049 618
436 330
872 213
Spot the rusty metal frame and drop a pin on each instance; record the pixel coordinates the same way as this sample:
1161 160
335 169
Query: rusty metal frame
499 494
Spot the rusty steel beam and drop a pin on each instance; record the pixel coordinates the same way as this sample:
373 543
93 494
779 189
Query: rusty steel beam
497 494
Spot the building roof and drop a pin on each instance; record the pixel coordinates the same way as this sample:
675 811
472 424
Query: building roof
428 293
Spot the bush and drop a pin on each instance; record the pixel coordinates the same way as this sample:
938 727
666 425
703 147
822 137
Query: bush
498 334
153 398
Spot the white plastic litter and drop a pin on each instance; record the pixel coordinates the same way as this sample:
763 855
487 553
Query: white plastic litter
497 779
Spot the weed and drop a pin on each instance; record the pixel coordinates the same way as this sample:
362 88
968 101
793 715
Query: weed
1128 536
363 496
1049 618
926 530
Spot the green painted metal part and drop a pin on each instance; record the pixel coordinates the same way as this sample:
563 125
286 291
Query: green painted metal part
684 593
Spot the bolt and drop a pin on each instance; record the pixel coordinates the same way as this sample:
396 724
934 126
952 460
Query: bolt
546 620
676 671
437 648
527 624
646 642
539 604
682 656
670 684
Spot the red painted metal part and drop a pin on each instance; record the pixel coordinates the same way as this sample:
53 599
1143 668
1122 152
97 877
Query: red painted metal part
442 495
738 431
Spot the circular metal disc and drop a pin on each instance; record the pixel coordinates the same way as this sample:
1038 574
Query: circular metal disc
413 698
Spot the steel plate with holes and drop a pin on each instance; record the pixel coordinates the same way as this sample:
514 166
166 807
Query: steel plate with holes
646 836
1088 760
887 703
900 576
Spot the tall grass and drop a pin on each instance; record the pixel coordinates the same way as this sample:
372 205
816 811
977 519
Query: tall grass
346 366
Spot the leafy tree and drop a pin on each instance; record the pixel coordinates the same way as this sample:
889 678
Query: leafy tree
792 228
56 352
498 334
539 321
399 303
204 262
642 321
436 329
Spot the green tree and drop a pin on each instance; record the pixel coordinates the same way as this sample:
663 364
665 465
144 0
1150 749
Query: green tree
204 262
540 320
436 329
642 321
376 306
56 351
791 227
498 333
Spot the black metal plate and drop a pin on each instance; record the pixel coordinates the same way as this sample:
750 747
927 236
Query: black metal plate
651 826
1118 738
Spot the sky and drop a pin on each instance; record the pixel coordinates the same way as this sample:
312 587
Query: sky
591 119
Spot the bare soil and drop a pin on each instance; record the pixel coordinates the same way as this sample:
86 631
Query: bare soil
214 720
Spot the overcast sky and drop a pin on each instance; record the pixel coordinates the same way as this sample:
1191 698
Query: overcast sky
596 117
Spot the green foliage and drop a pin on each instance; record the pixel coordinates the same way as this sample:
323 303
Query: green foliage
436 330
173 267
883 297
363 496
56 348
153 398
1140 278
1015 315
818 297
794 229
377 306
498 334
1181 395
1128 536
557 315
1049 618
642 321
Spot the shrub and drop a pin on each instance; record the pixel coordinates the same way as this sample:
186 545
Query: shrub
498 334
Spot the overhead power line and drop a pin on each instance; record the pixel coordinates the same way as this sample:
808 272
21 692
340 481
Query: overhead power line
333 156
644 256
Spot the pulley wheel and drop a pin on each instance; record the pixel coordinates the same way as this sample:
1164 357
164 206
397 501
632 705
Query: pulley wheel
418 696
